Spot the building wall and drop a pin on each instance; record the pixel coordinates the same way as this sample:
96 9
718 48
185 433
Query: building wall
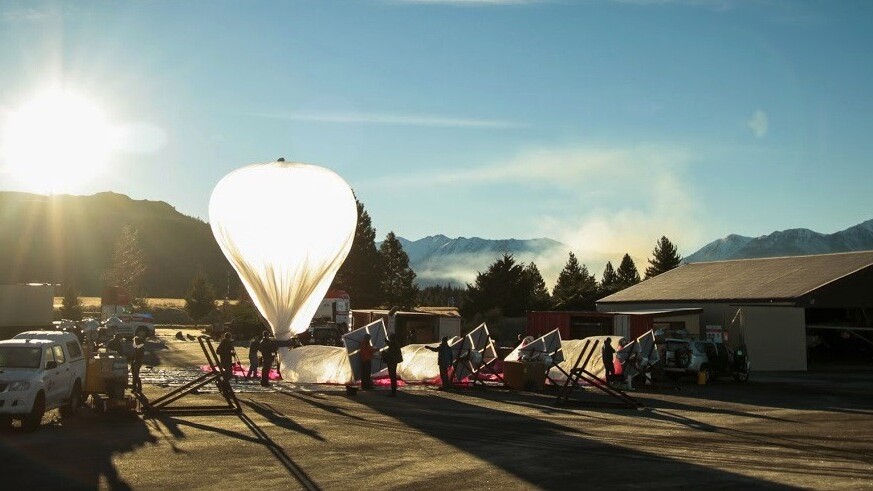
775 335
691 321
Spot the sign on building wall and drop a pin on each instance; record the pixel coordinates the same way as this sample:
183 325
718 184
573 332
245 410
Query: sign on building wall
715 333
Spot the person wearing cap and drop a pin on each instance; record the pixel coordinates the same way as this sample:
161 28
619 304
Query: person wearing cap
267 347
136 361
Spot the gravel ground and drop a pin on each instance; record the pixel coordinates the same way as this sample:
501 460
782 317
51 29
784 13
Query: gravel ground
779 430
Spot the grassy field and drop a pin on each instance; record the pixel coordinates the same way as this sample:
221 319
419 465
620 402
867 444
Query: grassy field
94 302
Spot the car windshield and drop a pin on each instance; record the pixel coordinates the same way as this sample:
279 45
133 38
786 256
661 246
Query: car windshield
20 357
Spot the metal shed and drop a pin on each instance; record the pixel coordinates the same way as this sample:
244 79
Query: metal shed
783 301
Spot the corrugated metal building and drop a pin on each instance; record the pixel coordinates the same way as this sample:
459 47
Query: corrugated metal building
781 299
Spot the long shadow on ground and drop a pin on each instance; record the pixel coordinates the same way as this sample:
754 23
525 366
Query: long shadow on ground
542 453
74 455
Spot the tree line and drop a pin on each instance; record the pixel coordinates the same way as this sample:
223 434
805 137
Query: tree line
381 277
509 289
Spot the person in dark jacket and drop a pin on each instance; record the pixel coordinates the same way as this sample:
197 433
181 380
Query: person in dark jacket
136 361
608 353
365 353
444 360
115 344
253 357
392 357
267 347
225 354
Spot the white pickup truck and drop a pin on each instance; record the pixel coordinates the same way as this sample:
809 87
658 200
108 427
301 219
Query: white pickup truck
39 371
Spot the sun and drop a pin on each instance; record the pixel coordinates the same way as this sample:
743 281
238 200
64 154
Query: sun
55 142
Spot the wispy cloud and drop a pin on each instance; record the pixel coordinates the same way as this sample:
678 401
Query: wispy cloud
759 123
565 168
395 119
27 14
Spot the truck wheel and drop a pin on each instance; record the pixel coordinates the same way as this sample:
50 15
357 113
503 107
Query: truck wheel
32 421
71 408
741 376
5 423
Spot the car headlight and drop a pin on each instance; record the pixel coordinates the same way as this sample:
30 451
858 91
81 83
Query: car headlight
20 385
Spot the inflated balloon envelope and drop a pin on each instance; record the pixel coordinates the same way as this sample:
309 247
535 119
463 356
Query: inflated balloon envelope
286 228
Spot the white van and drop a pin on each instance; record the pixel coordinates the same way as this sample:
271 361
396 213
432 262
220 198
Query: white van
39 371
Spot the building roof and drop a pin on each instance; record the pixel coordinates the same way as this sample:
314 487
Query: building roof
767 279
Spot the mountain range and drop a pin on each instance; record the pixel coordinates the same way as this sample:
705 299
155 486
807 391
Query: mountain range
438 259
792 242
57 239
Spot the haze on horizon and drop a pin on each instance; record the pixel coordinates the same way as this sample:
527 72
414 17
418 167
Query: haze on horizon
603 124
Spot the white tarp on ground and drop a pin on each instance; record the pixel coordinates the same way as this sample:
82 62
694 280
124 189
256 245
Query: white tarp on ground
420 364
572 348
315 364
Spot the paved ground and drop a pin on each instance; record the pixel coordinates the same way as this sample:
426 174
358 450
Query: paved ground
779 430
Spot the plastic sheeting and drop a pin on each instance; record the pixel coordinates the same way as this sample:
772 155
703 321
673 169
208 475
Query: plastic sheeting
286 228
315 364
572 348
419 363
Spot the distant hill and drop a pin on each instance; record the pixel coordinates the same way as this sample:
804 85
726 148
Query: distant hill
438 259
793 242
52 239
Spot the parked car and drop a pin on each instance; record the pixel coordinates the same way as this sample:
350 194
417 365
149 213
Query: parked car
688 356
40 371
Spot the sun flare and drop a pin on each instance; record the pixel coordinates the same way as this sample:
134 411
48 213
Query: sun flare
55 142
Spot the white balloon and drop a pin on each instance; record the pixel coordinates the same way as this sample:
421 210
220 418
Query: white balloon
286 228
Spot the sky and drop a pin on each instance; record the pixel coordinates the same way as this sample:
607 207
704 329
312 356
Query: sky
602 124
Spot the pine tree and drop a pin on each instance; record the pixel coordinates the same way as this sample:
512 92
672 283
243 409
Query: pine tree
440 296
609 281
361 273
128 265
534 283
500 288
200 300
398 279
71 306
664 258
576 287
626 274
